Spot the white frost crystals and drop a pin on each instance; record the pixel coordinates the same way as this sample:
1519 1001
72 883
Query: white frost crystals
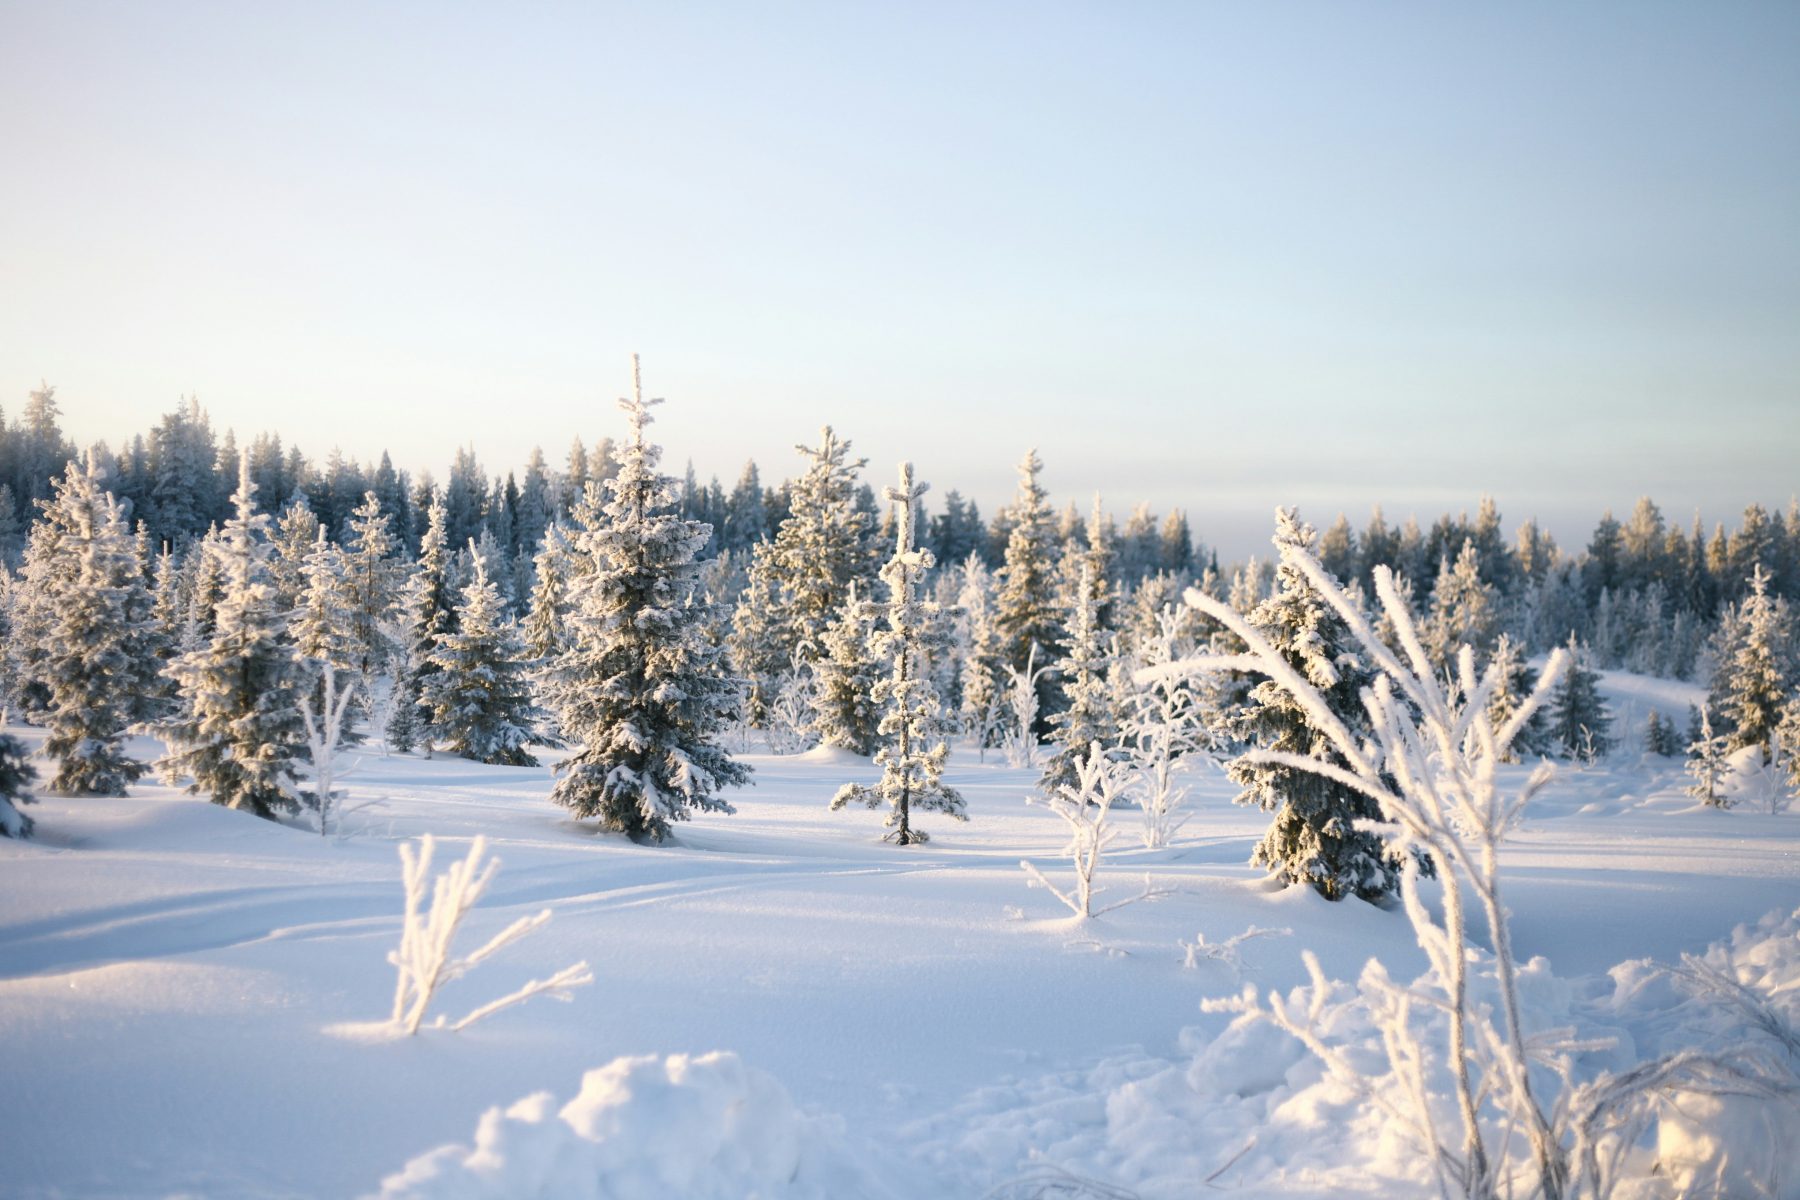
424 961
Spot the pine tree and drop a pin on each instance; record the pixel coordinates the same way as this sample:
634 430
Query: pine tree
99 657
799 580
1515 681
1025 610
845 713
478 696
982 661
1313 838
911 773
546 628
1091 718
1579 718
1754 675
1464 610
428 609
1661 737
243 729
1707 753
16 772
642 690
369 584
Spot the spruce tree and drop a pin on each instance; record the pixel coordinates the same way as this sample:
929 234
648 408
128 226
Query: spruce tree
1707 752
479 697
1579 718
982 654
1025 610
1754 675
1313 838
1661 737
323 626
16 773
296 534
546 629
1515 682
98 658
641 689
799 580
1464 610
428 609
1091 717
242 731
911 767
845 713
369 571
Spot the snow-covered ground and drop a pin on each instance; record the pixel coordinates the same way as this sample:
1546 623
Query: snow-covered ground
906 1022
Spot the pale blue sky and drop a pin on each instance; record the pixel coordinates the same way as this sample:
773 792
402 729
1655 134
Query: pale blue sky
1208 255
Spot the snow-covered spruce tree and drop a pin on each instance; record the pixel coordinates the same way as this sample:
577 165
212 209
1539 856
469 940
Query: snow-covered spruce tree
242 731
983 683
1752 679
428 608
911 766
642 690
1091 717
546 629
1025 607
1514 681
99 656
1707 752
369 574
845 713
1314 838
479 696
1464 609
1788 731
799 580
323 623
1579 718
294 537
16 773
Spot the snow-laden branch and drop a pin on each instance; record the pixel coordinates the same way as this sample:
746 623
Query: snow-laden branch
424 960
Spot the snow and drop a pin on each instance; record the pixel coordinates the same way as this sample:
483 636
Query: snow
784 1005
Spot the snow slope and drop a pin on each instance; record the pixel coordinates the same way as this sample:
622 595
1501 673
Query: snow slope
915 1021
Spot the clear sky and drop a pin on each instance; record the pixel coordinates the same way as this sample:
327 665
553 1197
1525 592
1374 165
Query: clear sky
1218 256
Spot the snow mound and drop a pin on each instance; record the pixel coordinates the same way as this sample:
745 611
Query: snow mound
645 1128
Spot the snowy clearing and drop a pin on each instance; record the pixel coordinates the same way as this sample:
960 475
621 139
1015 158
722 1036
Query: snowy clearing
917 1021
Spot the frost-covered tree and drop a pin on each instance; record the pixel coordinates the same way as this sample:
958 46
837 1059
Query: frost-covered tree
983 681
1091 717
323 623
294 538
1313 838
546 628
1514 682
98 658
911 766
1579 717
1161 734
478 696
1025 609
799 580
242 731
428 611
1661 737
369 575
1752 679
845 712
642 689
16 774
1707 754
1464 609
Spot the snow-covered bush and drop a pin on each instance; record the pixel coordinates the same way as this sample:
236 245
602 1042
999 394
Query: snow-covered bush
1083 807
1458 1078
1020 739
424 960
701 1127
325 729
1161 736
